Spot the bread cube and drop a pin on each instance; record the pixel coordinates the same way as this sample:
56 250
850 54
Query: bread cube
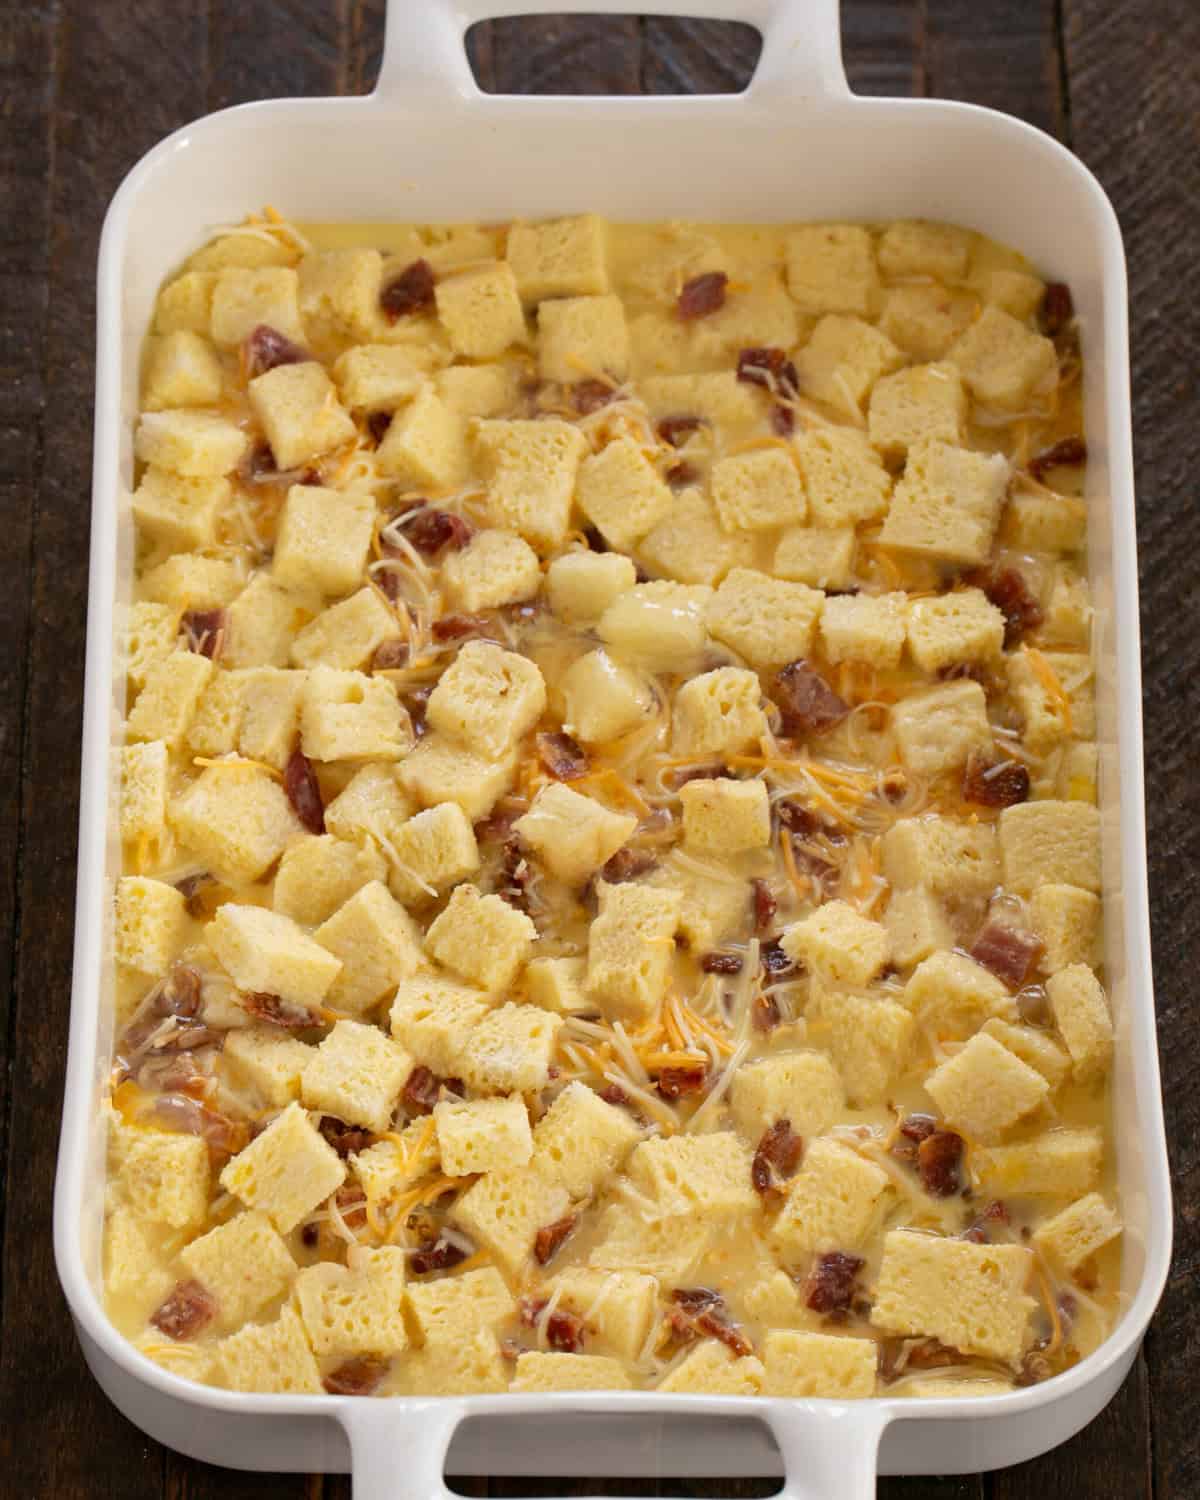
339 293
617 1305
347 634
865 627
620 491
246 297
1017 292
482 1135
939 728
557 984
378 943
487 698
602 699
478 390
446 1309
690 545
164 1177
389 1168
831 269
439 769
951 996
323 540
766 621
349 716
319 872
503 1211
581 1141
756 312
955 860
947 504
568 1372
1045 523
822 558
572 835
379 377
177 512
711 906
236 820
181 369
581 585
168 699
425 445
244 1264
770 1297
962 626
300 413
925 320
269 1357
758 490
582 337
133 1270
918 247
264 1062
983 1090
971 1297
1003 363
265 952
833 1203
186 303
480 309
1082 1016
190 581
869 1040
151 924
1069 612
718 713
1035 1047
843 477
659 625
1055 695
434 850
529 468
838 943
244 246
1050 843
494 568
433 1016
357 1308
151 631
818 1364
560 257
706 1175
370 804
481 938
286 1171
922 401
262 621
270 724
801 1087
710 1369
511 1048
630 948
917 925
1070 1237
468 1364
719 398
725 817
356 1074
1060 1162
215 727
842 361
668 1249
1067 919
144 772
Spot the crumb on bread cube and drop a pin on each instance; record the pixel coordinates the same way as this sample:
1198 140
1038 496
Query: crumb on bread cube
921 247
821 557
162 1175
917 924
581 1141
803 1088
196 444
182 369
954 859
265 1062
379 377
962 626
952 996
833 1203
868 628
358 1308
842 361
870 1041
1077 1232
338 293
710 1369
582 338
480 309
511 1049
424 447
502 1212
1067 919
249 297
690 545
1061 1162
538 1371
707 1175
269 1358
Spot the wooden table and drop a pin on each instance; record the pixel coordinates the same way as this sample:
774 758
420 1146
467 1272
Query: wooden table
91 84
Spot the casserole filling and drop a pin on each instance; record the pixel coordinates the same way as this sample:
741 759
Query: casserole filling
611 858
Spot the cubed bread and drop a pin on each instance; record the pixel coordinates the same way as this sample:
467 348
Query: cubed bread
718 713
244 246
389 1168
468 1364
269 1358
191 581
721 816
951 996
971 1297
1004 364
869 628
691 546
162 1175
869 1040
659 626
1070 1237
168 699
371 803
617 1306
215 726
756 312
433 1016
481 938
710 1369
434 850
1055 693
939 728
446 1309
529 468
286 1171
439 769
603 699
924 320
621 493
1033 1046
582 337
718 398
358 1308
319 872
803 1088
478 390
349 716
557 984
244 1264
270 723
917 925
962 626
956 860
833 1366
378 943
1050 843
765 620
144 780
482 1135
822 557
338 293
581 1141
495 568
236 819
1016 291
1045 523
758 490
572 835
984 1089
151 924
1082 1016
920 247
356 1074
568 1372
179 512
480 309
712 903
133 1270
247 297
560 257
265 952
186 303
669 1249
300 413
630 948
511 1048
151 630
947 503
323 540
833 1203
487 698
843 477
503 1211
1069 610
706 1175
839 943
842 361
264 1062
581 585
1067 919
1062 1162
424 447
922 401
261 622
831 269
181 369
379 377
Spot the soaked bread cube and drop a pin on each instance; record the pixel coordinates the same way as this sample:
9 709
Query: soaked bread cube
690 545
246 297
707 1175
481 938
338 293
151 631
482 1135
503 1211
560 257
1060 1162
150 926
1055 694
163 1176
529 469
764 620
725 817
1067 919
581 585
947 504
265 952
433 1016
132 1270
144 779
831 269
261 621
371 804
266 1062
839 943
801 1087
1045 523
1082 1016
557 984
617 1305
389 1168
833 1202
984 1089
865 627
270 723
196 444
478 390
319 872
487 698
659 625
1017 292
510 1050
245 246
349 716
480 309
323 540
423 447
1032 1046
758 490
447 1309
712 1369
581 338
918 247
917 925
286 1171
244 1264
380 377
356 1074
602 699
925 320
470 1364
189 581
712 902
717 398
951 996
581 1141
434 850
568 1372
170 694
818 1364
954 859
869 1040
719 712
1054 843
237 821
495 568
940 728
378 943
843 477
669 1249
630 948
823 558
1003 362
621 493
215 727
300 413
971 1297
570 834
439 769
182 369
962 626
186 303
1070 1237
842 361
923 401
1069 611
269 1357
357 1308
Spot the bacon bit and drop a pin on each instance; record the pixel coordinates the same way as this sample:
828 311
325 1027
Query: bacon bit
352 1205
276 1011
224 1137
716 771
497 826
764 903
682 473
431 530
345 1139
310 1236
1011 595
595 541
409 292
830 1287
1009 952
614 1094
774 959
939 1163
1068 452
196 891
259 466
702 295
563 757
458 627
390 656
588 396
377 425
776 1157
808 704
204 631
172 1072
989 783
265 348
424 1089
625 864
912 1131
673 1083
931 1354
721 963
1033 1005
564 1331
416 701
1057 309
979 1231
701 1311
551 1238
357 1377
804 823
304 792
186 1311
764 1013
768 367
442 1255
783 420
677 430
515 876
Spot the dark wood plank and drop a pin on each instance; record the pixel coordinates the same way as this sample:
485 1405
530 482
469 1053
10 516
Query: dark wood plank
277 48
697 57
1004 54
881 46
559 55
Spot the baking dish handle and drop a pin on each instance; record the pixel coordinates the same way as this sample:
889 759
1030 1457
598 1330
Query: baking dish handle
424 52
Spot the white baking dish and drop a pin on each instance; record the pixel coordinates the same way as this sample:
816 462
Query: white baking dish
427 145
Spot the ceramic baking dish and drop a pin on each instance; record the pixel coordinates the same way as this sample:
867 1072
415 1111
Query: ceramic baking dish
428 146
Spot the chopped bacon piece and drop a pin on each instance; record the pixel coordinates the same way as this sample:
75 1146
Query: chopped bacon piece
304 791
458 627
588 396
390 656
764 1013
765 905
774 959
514 878
783 420
1057 309
351 1203
594 539
1035 1367
776 1157
204 631
807 824
932 1354
276 1011
356 1377
768 367
939 1163
1009 952
224 1137
551 1238
409 292
682 473
563 757
345 1139
1011 595
912 1131
186 1311
979 1231
830 1286
377 425
712 772
675 1082
265 347
196 891
416 701
677 430
1068 452
702 295
564 1331
1001 783
721 963
430 530
808 704
625 864
442 1255
424 1089
614 1094
701 1311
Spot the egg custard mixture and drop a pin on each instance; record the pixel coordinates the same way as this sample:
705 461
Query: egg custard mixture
611 856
